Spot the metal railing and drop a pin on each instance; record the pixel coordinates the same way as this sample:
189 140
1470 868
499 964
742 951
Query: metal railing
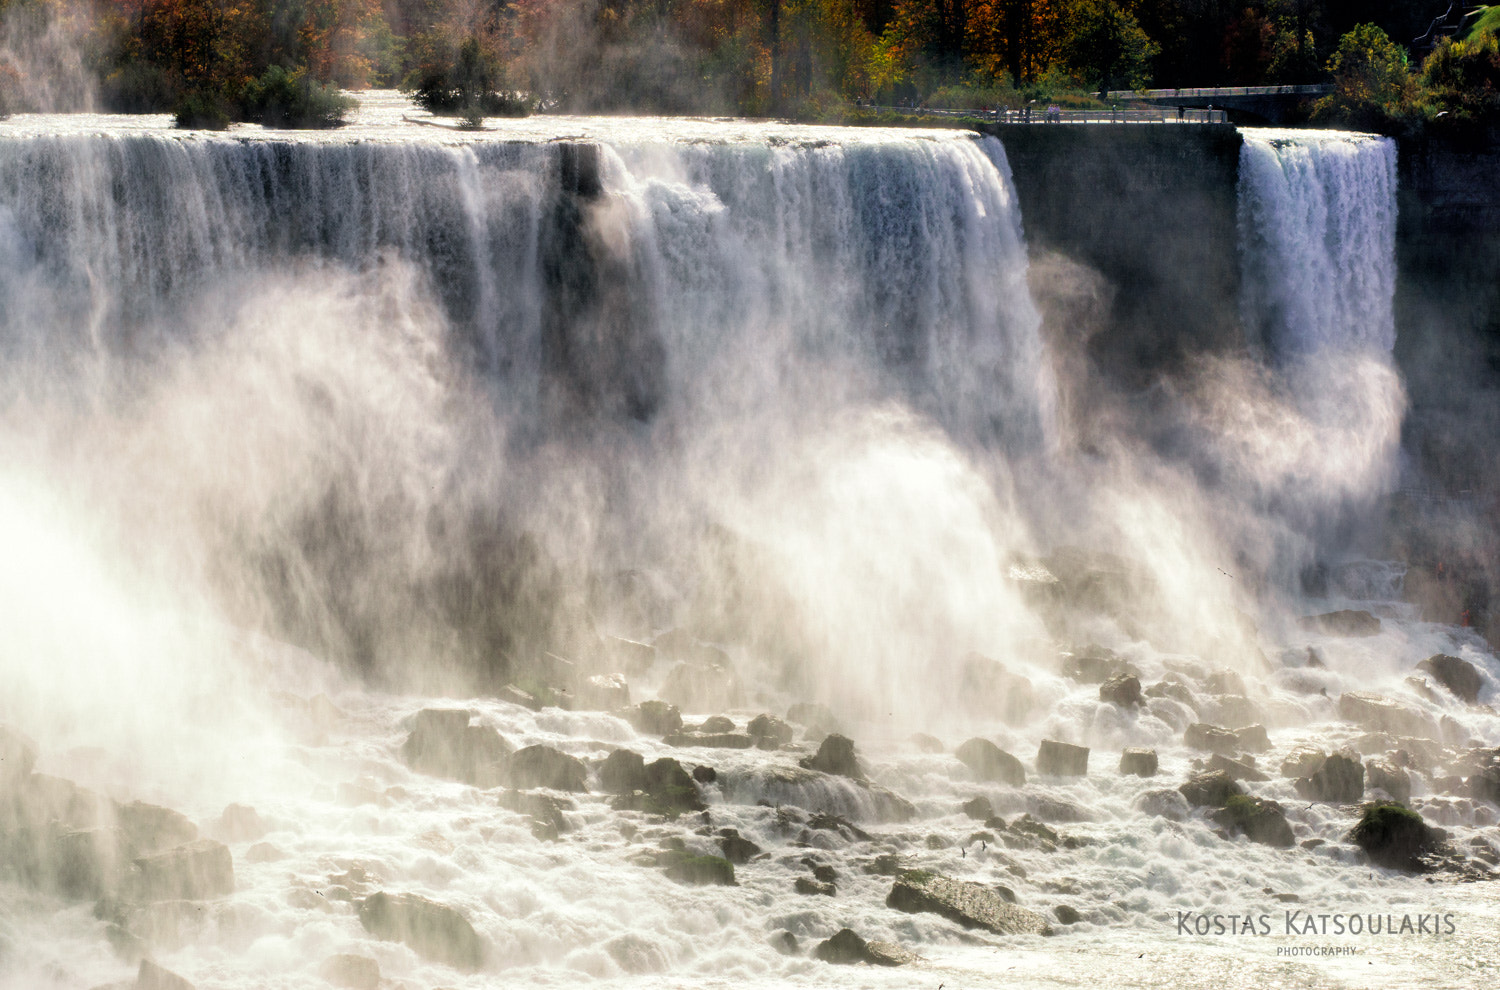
1217 91
1140 114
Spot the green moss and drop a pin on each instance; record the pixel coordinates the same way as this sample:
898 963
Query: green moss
918 878
1393 835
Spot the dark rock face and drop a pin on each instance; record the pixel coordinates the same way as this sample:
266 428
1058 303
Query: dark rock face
623 771
191 872
1455 674
716 725
769 732
433 931
1259 820
443 744
1234 768
972 905
1138 762
669 791
986 687
1062 759
1346 622
1122 689
705 775
1096 668
736 848
979 809
835 756
1066 915
1214 738
1339 779
1211 789
846 948
656 718
543 766
686 868
1388 777
1395 836
1380 714
989 762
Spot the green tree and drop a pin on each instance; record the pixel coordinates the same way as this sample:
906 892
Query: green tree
1106 46
1373 87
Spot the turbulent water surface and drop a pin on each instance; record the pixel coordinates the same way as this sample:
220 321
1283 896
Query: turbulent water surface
436 406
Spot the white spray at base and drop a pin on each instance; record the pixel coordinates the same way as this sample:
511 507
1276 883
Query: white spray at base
248 375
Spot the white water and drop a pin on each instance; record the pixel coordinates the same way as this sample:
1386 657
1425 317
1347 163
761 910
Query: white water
204 335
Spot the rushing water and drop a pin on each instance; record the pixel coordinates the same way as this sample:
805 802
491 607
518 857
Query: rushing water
320 388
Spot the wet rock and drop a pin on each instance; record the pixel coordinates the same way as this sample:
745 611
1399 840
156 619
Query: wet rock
149 828
736 848
989 762
1253 739
1386 776
263 852
1175 690
716 724
702 687
656 718
817 719
835 756
1395 836
351 971
442 743
1302 761
1235 769
720 740
1455 674
239 823
885 865
1224 682
686 868
1121 689
925 743
623 771
604 693
979 808
769 732
1340 779
1214 738
1062 759
1346 623
669 791
1236 711
986 687
846 948
786 943
433 931
1171 805
1257 819
705 775
153 977
1380 714
810 887
1138 762
1066 915
1092 668
17 757
543 766
545 811
1484 784
194 871
972 905
1210 789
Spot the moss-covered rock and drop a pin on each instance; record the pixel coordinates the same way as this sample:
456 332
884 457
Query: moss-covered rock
1257 819
970 904
1395 836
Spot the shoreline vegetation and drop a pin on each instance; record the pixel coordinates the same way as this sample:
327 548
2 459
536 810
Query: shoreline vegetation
289 63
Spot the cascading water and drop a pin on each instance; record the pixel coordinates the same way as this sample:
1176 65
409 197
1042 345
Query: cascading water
438 407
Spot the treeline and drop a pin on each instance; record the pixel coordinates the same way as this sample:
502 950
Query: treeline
283 60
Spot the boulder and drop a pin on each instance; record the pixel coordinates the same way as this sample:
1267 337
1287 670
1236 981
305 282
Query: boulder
433 931
705 775
669 791
239 823
1252 739
817 719
1214 738
1224 681
604 693
150 976
1210 789
835 756
702 687
1171 805
1257 819
442 743
686 868
987 688
1093 668
1066 915
1235 711
351 971
925 743
623 771
716 725
1235 769
810 887
769 732
736 848
1121 689
1484 784
149 828
545 811
656 718
846 948
1381 714
1340 779
1346 623
989 762
17 757
1386 776
543 766
972 905
194 871
1062 759
1302 761
979 809
1455 674
1175 690
1138 762
1394 836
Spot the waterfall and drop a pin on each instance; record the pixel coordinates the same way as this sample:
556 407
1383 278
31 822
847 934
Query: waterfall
1317 215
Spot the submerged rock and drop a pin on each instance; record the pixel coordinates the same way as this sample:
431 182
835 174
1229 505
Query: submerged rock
1062 759
847 948
1455 674
810 887
970 904
1257 819
1171 805
543 766
1395 836
989 762
718 740
442 743
1339 779
1138 762
835 756
1346 622
433 931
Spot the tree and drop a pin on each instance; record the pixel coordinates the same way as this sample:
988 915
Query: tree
1106 45
1372 82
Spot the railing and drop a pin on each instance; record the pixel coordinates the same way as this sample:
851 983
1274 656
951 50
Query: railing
1042 115
1225 91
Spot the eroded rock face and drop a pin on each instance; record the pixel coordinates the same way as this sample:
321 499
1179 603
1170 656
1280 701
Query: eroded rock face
989 762
1457 675
1062 759
433 931
970 904
442 743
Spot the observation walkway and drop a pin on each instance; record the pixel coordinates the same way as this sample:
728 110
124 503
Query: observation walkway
1268 104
